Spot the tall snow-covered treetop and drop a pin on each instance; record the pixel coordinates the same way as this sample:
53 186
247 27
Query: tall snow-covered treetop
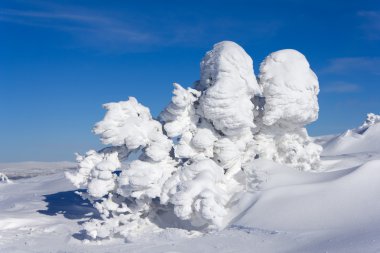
229 84
290 88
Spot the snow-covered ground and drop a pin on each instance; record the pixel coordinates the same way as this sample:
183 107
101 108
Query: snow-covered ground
334 210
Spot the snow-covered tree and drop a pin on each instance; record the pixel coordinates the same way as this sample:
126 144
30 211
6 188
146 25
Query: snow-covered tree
218 138
195 159
371 120
4 178
290 89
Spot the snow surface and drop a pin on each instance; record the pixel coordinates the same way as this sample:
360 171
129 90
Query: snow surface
362 139
32 168
335 210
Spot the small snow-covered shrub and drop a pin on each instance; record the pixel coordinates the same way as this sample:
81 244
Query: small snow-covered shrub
195 159
4 178
371 120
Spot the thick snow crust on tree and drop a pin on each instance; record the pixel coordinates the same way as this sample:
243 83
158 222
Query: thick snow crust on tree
371 120
4 178
290 89
229 84
196 159
293 148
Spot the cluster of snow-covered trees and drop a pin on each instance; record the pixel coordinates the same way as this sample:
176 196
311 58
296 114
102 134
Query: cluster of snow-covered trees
187 167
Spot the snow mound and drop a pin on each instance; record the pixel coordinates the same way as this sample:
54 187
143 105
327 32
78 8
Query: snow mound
362 139
297 201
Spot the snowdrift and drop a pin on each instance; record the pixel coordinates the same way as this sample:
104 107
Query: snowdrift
364 139
332 201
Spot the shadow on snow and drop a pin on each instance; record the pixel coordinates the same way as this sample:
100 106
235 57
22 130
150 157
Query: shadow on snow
70 205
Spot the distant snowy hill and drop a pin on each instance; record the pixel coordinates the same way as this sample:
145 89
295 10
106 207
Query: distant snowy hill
32 168
37 165
365 138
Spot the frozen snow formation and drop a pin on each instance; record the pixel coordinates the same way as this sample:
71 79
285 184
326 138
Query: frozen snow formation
290 89
372 119
123 198
228 84
188 167
361 139
4 178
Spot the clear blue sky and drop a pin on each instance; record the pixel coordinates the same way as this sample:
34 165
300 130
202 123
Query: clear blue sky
61 60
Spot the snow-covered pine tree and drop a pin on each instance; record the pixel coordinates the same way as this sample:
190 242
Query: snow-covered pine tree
196 158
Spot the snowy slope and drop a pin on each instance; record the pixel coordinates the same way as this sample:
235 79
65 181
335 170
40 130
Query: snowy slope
362 139
335 211
297 211
331 202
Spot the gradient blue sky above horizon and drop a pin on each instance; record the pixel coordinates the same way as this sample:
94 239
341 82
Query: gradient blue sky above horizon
61 60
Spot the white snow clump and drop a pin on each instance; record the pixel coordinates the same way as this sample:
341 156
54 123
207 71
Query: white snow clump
4 178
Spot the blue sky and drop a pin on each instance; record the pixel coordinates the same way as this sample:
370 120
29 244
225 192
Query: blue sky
61 60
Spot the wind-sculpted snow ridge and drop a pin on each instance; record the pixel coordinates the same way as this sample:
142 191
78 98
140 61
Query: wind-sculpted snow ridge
196 160
364 138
